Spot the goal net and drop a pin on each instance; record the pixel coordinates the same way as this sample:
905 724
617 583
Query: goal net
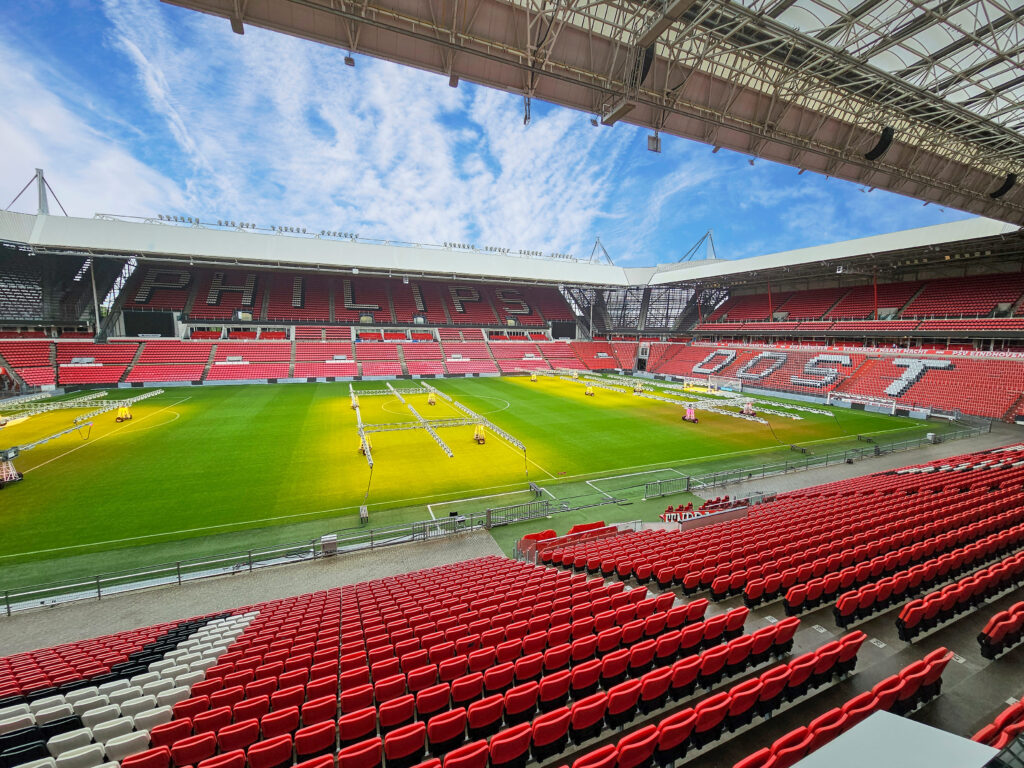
727 383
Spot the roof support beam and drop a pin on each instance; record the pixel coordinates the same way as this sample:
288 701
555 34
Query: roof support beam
673 10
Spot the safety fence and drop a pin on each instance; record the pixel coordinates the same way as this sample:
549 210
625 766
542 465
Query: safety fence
697 483
333 544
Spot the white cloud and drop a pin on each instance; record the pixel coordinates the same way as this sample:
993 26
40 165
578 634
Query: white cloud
90 171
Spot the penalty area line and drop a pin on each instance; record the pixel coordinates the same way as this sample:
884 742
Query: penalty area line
473 498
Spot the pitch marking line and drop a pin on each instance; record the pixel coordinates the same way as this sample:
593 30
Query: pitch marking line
531 461
111 432
474 498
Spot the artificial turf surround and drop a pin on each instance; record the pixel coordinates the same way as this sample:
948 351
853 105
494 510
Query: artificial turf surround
205 470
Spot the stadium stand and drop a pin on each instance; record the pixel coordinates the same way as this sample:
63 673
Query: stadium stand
299 298
859 303
763 557
88 363
561 354
966 297
220 294
906 691
810 305
424 358
468 357
1004 729
1002 632
595 355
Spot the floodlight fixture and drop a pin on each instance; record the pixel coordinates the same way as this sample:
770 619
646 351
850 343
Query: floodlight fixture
349 61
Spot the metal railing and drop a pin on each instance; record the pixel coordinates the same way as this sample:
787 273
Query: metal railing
348 540
808 461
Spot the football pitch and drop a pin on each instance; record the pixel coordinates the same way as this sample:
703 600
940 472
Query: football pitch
203 470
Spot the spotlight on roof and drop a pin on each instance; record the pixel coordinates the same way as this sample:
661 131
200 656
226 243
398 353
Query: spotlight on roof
654 142
453 81
349 61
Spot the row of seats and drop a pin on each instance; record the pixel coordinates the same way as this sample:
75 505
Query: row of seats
1006 727
940 607
548 680
810 594
716 718
1002 632
550 733
901 693
891 590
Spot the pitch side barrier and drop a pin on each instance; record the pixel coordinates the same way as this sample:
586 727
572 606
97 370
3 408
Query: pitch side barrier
697 483
331 544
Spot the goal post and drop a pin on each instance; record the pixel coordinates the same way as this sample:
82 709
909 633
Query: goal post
728 383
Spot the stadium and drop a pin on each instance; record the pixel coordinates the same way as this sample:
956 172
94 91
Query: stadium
274 497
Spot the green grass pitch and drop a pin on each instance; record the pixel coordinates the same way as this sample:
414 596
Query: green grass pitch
224 468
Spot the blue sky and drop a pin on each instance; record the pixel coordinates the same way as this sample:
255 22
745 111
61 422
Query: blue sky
136 107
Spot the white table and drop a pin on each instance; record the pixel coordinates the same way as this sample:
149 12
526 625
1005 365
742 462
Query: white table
885 740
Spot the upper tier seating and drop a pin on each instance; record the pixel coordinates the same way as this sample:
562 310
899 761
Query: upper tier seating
859 303
299 298
311 298
358 297
957 296
811 305
751 307
468 305
220 294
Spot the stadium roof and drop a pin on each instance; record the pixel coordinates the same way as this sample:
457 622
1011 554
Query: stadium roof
924 99
944 237
243 248
224 247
